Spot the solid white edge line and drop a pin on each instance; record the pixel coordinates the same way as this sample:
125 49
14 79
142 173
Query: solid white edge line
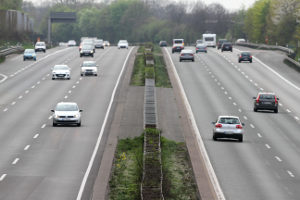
211 172
91 162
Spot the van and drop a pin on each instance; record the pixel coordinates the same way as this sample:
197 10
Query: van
178 45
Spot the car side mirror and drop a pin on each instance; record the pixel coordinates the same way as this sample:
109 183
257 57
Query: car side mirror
277 98
254 97
213 123
52 110
80 110
243 124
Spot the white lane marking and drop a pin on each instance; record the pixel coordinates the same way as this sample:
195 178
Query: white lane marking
77 82
15 161
256 84
27 147
251 80
13 103
33 86
290 173
219 83
83 183
234 103
245 117
240 110
36 136
74 86
277 74
259 135
252 126
268 146
20 97
226 92
38 82
3 177
27 91
278 159
296 118
43 78
6 109
280 104
222 88
4 78
80 78
288 110
211 172
50 117
48 75
69 91
230 98
66 97
262 89
43 126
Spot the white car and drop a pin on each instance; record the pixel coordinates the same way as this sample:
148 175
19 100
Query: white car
61 72
71 43
122 44
40 46
228 127
66 113
89 68
106 43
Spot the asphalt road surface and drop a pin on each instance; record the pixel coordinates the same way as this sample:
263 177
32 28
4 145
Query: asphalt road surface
267 164
39 161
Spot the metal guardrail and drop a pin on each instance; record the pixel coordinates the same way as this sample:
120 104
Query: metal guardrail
11 50
267 47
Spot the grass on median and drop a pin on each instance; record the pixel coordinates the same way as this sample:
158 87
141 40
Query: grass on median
127 170
178 177
161 73
138 74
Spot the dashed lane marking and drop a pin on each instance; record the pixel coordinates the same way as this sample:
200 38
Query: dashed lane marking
290 173
15 161
268 146
259 135
36 136
3 177
278 159
27 147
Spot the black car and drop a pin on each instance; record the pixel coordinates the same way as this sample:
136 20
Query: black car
226 46
163 44
266 101
220 42
245 56
87 50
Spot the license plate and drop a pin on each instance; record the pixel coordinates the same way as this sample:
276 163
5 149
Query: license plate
268 103
228 132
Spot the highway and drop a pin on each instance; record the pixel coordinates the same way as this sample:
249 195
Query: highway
267 164
39 161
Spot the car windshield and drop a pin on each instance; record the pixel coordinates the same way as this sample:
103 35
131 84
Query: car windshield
29 51
178 41
229 120
87 47
66 107
61 67
40 44
89 64
209 39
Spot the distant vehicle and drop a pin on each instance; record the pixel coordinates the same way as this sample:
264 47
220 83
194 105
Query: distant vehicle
241 40
66 113
122 44
220 42
245 56
163 44
89 68
99 44
40 46
61 72
226 46
209 39
201 48
228 127
88 42
266 101
71 43
106 43
178 45
198 42
186 54
29 54
87 50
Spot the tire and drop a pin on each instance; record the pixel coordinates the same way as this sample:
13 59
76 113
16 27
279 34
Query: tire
81 74
34 59
24 59
53 78
215 138
79 124
255 109
54 124
179 60
250 61
193 60
240 138
222 50
96 74
276 110
92 55
80 55
239 61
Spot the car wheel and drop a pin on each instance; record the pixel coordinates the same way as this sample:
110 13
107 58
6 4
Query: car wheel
81 74
255 109
92 55
24 59
79 124
179 60
240 138
239 61
96 74
53 78
54 124
250 61
68 78
193 60
34 59
215 138
222 50
80 55
276 110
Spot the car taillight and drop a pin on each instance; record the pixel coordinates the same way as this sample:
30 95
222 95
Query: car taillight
191 54
218 125
257 99
250 56
241 56
276 100
239 126
181 54
197 48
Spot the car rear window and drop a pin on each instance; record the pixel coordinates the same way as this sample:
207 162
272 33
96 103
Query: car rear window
266 96
227 120
178 41
245 54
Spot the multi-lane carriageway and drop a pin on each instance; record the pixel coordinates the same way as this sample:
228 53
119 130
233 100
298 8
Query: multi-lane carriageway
38 161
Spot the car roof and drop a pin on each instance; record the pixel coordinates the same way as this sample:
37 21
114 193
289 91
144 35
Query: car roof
269 93
89 61
228 116
187 51
60 65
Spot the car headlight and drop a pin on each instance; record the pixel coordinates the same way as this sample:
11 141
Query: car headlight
76 116
81 51
55 116
92 51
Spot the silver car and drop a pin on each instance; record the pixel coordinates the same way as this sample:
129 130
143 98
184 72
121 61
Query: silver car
66 113
228 127
89 68
123 44
186 54
61 72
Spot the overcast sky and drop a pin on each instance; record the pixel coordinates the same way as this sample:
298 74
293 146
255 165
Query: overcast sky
231 5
